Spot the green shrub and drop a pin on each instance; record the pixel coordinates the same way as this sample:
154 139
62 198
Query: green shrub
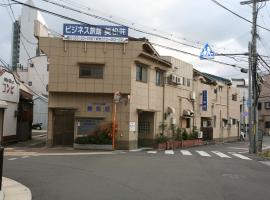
178 135
185 135
161 138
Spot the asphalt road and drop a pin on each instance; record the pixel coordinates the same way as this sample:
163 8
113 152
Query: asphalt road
143 175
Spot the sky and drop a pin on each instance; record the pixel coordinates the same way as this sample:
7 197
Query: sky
192 22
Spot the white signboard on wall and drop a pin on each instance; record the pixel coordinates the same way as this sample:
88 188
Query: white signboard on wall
132 126
9 89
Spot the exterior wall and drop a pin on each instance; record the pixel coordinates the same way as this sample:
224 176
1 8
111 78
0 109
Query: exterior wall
9 93
40 112
10 120
27 19
65 56
66 89
264 113
243 89
36 76
220 107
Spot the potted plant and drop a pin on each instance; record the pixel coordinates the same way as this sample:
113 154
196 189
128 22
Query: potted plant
161 141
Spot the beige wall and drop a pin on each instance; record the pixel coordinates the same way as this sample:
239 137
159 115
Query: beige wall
220 106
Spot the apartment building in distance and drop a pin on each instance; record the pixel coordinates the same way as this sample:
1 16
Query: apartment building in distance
242 85
217 106
264 106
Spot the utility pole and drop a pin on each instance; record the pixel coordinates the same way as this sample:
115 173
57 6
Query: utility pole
253 89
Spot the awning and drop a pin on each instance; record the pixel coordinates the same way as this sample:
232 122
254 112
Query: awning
3 104
171 110
188 113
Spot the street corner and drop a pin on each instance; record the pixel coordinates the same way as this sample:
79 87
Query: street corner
13 190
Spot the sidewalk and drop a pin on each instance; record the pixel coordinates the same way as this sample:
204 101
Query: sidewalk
13 190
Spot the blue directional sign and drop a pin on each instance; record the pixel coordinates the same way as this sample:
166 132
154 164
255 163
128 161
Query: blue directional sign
204 100
96 33
207 53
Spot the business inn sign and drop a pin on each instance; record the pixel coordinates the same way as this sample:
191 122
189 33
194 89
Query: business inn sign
95 33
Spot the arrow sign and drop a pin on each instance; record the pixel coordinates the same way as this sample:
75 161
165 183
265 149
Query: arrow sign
207 53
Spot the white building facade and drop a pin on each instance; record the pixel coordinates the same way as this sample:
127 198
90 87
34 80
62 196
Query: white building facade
9 98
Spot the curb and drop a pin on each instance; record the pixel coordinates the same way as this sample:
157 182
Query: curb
15 190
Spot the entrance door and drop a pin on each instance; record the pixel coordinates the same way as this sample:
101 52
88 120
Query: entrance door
146 129
63 127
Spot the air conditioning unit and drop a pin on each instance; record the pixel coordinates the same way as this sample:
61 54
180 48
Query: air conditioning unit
200 134
193 95
173 78
180 80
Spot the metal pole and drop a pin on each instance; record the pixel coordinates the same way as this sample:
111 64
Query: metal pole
113 125
250 122
1 165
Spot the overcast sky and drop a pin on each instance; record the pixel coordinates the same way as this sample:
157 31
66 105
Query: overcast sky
188 21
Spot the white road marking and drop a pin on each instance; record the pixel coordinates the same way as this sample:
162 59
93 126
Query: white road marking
222 155
203 153
152 152
25 156
169 152
12 158
186 153
140 149
240 156
241 148
265 163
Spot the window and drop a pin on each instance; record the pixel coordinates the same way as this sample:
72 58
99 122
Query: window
159 78
233 121
48 66
267 124
88 125
141 73
234 97
47 88
91 71
144 127
30 83
267 105
188 82
259 106
184 81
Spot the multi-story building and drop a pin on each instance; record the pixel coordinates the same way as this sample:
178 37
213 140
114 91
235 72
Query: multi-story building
264 106
242 85
85 75
28 61
155 91
217 106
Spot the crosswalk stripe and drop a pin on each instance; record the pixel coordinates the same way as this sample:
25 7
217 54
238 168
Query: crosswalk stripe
186 153
25 156
170 152
203 153
152 152
240 156
12 158
222 155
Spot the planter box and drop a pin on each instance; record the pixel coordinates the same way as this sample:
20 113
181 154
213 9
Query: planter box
162 146
191 143
92 146
177 144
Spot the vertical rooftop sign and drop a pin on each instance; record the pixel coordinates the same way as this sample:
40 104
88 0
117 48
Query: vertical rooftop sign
95 33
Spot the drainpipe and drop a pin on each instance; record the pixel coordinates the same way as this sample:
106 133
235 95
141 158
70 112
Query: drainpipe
163 105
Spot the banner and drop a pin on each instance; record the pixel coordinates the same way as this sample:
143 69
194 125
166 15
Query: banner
95 33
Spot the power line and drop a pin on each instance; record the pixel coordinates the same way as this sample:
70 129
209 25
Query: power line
82 22
234 13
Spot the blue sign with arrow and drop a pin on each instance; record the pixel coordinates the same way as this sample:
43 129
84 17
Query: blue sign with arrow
207 52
